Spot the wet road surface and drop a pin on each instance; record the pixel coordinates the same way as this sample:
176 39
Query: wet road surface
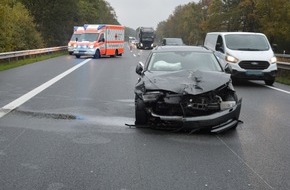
73 134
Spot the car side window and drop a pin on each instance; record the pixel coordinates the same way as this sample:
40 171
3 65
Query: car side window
164 42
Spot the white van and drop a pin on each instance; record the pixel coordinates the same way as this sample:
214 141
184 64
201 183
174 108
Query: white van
249 54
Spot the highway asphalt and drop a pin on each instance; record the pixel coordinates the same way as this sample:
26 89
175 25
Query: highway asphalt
72 134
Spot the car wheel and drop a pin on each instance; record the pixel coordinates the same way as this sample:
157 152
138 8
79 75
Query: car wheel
78 56
269 82
140 112
97 54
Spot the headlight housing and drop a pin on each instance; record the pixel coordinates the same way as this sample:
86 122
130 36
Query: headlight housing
231 59
151 96
273 60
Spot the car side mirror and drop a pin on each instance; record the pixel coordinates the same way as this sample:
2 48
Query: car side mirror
139 69
219 48
228 69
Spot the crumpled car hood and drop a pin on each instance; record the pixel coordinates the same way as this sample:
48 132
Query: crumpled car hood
185 81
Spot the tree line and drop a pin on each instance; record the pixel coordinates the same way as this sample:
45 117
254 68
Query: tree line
31 24
192 21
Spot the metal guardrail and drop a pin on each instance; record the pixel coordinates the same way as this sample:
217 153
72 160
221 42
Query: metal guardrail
283 65
283 55
16 54
24 53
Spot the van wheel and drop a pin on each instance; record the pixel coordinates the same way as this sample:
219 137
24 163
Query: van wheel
97 54
269 82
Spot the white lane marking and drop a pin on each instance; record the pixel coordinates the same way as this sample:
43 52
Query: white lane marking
21 100
244 162
278 89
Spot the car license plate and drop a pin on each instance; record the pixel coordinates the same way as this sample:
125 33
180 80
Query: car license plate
258 73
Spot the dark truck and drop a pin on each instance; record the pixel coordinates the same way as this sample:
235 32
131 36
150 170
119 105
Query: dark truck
145 37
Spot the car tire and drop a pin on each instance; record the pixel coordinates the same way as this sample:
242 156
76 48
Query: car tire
269 82
140 112
78 56
97 54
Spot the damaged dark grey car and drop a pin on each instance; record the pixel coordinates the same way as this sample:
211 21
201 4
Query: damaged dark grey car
185 86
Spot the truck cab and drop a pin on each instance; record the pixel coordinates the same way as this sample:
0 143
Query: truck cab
145 37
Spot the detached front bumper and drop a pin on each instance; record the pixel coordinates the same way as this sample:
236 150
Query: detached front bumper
217 122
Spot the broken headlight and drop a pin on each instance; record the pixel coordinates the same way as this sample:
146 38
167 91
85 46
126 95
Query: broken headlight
151 96
224 105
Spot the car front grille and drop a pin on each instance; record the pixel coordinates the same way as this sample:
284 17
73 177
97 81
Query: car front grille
189 106
255 65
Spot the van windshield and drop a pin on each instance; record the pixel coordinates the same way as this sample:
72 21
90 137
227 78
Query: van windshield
75 36
246 42
91 37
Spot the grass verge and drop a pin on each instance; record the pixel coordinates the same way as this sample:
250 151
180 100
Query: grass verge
283 76
4 65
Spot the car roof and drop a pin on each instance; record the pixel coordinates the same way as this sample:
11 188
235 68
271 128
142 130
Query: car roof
181 48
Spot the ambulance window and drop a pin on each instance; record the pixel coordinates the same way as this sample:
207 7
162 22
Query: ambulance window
101 37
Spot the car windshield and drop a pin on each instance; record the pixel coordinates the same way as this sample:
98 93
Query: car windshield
246 42
183 60
89 37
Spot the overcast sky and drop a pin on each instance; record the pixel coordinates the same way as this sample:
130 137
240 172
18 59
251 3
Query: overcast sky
148 13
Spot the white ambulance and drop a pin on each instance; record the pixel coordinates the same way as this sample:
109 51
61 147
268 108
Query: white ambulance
99 40
78 30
